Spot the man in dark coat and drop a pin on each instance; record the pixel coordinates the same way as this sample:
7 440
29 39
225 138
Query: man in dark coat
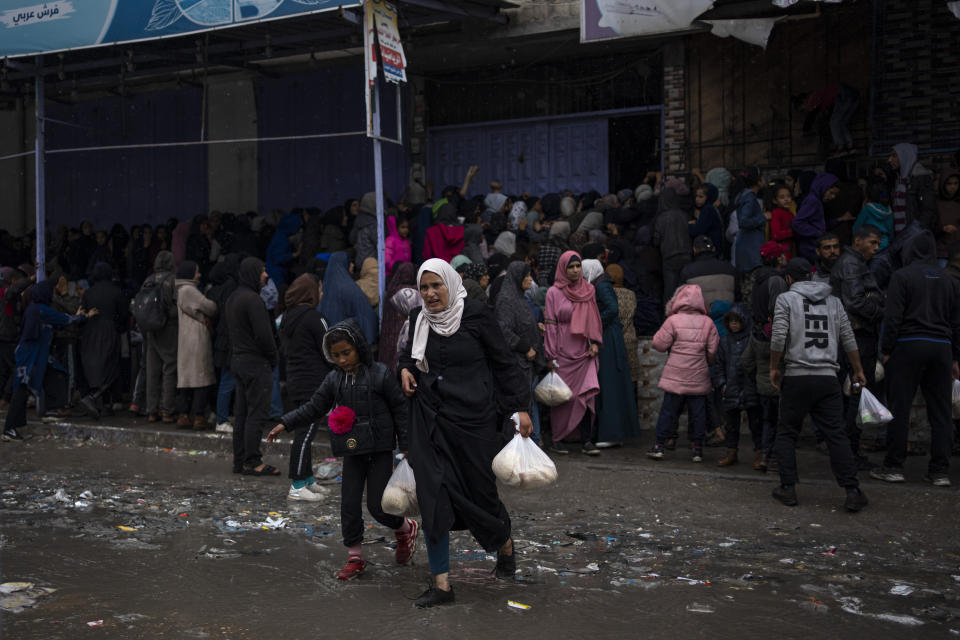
863 301
223 277
162 346
11 312
254 356
716 278
920 344
671 235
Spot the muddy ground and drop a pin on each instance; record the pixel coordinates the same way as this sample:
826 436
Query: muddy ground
170 544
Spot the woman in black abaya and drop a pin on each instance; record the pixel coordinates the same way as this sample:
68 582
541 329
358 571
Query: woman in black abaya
458 369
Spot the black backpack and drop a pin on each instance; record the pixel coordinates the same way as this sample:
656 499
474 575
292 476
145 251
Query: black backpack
147 307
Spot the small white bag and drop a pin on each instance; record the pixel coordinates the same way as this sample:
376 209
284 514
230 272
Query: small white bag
400 495
956 399
552 390
871 410
523 465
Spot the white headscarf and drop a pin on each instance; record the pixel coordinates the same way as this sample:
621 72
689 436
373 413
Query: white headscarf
445 322
591 269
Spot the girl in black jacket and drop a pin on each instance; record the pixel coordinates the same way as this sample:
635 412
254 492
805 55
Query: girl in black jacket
368 420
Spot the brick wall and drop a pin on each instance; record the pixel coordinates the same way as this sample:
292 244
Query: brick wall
674 114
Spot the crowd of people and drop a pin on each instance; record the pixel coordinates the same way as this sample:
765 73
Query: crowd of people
774 294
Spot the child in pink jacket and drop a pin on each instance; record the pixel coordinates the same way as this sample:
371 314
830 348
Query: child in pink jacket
690 336
397 243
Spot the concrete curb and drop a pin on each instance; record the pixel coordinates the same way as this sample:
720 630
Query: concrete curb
181 439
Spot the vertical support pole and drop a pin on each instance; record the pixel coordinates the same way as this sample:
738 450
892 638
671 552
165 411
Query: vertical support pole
378 186
39 159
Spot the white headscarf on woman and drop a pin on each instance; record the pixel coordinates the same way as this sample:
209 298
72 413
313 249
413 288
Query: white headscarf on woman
445 322
591 269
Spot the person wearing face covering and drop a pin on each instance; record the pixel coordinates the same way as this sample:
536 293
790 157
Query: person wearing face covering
343 298
574 334
519 326
100 339
458 369
254 356
36 374
616 405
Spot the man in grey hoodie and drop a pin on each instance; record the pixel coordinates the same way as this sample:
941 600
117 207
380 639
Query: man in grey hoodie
809 327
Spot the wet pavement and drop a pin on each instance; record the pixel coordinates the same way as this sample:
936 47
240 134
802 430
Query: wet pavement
126 541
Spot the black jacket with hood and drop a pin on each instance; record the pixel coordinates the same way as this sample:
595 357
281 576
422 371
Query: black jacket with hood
923 302
741 388
224 282
301 334
372 392
248 321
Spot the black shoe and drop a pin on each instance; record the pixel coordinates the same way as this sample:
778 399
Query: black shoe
433 597
558 448
590 449
855 501
786 495
863 463
90 407
12 435
506 566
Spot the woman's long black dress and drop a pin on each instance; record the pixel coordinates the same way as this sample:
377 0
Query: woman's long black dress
455 428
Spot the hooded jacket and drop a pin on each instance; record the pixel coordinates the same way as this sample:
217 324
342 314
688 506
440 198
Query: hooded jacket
248 321
691 337
163 268
809 328
301 335
741 388
372 392
810 222
751 235
923 302
861 296
224 280
194 345
444 240
279 254
670 233
396 249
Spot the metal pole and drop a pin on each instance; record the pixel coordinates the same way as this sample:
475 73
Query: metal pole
41 183
378 186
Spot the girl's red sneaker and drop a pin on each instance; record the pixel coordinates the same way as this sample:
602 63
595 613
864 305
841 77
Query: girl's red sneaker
352 569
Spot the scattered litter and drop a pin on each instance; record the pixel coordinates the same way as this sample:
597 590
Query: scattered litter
518 605
902 590
696 607
593 566
86 495
95 623
814 524
692 581
61 496
131 617
909 621
81 504
274 523
832 551
11 587
727 544
786 560
814 605
329 469
125 528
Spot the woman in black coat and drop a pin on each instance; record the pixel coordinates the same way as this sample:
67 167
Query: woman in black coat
100 340
458 369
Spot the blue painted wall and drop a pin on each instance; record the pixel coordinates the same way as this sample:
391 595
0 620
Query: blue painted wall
129 186
322 172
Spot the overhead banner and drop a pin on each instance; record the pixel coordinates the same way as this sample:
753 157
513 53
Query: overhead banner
606 19
30 28
754 31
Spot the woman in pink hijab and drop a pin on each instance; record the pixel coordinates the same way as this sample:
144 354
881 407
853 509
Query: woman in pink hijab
573 338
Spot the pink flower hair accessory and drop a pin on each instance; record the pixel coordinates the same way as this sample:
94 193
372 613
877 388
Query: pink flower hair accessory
341 420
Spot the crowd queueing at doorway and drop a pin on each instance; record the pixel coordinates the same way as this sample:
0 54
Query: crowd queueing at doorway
773 296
